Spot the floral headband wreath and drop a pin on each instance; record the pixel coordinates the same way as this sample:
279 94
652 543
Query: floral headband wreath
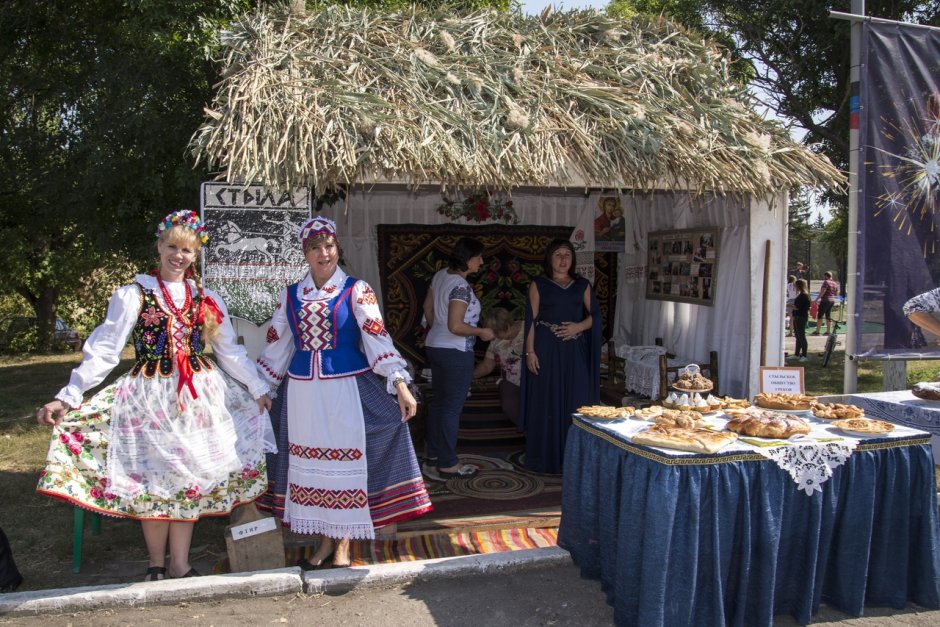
184 217
315 227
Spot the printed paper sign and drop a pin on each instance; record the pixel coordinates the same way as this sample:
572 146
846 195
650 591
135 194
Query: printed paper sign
781 380
254 528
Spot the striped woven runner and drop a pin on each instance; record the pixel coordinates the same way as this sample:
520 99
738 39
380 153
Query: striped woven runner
430 546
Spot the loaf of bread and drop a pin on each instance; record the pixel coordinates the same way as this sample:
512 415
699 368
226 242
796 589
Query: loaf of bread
768 424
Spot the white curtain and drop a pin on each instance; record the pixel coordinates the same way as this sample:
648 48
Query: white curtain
690 331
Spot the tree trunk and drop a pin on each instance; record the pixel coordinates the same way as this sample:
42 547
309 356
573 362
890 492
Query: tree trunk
46 306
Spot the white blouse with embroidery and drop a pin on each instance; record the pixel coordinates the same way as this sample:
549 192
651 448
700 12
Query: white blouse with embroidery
377 345
102 350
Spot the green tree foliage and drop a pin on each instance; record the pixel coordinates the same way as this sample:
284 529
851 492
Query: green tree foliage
798 60
99 100
799 56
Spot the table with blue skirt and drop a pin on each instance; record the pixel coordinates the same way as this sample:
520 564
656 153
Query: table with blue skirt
730 538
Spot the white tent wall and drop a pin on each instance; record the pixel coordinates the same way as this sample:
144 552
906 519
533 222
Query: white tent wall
732 326
688 330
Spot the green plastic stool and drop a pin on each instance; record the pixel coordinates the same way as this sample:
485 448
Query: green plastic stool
78 531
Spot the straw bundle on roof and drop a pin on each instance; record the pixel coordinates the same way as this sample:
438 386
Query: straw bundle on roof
488 100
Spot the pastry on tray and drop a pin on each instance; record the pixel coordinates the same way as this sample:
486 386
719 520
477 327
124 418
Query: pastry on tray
927 390
603 412
679 418
694 440
648 413
767 424
863 425
833 411
792 402
728 402
690 379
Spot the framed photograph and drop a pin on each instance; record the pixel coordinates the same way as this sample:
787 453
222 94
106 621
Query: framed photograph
682 265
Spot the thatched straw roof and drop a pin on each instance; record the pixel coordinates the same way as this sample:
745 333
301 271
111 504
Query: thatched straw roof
488 100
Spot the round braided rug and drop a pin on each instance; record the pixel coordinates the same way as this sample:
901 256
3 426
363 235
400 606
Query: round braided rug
497 484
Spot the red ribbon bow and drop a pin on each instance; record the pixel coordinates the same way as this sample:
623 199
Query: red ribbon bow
208 304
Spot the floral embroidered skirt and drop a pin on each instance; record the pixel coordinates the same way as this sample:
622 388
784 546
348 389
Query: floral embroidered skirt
132 450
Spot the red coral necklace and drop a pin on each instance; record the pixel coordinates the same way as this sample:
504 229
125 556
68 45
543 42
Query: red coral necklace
185 320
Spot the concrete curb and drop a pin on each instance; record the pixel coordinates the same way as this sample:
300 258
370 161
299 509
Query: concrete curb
359 577
273 582
169 591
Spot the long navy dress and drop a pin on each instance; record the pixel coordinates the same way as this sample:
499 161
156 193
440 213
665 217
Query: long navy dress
569 372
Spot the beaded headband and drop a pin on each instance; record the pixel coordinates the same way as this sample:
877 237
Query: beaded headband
314 227
184 217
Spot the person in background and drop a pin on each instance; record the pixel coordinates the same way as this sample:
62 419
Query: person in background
504 351
800 272
791 296
563 347
828 292
799 317
177 438
452 310
351 465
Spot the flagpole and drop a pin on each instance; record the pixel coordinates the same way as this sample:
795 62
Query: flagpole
850 377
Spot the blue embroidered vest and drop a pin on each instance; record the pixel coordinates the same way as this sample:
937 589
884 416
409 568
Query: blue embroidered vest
325 331
153 344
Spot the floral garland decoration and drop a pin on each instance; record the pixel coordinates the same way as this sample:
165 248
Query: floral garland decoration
479 207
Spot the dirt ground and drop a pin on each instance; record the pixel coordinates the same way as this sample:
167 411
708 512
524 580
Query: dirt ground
541 597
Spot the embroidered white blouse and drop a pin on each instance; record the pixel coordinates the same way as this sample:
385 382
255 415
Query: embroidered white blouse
102 350
377 345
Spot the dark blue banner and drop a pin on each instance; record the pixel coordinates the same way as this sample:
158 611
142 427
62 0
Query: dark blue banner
899 190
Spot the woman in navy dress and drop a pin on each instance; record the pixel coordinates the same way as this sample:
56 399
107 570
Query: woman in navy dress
563 341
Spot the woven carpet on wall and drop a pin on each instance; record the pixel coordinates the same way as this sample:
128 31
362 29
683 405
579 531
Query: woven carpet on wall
410 254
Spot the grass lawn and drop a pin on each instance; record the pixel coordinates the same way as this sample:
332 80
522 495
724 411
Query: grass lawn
39 528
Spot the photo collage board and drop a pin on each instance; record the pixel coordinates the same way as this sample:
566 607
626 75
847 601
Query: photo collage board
682 266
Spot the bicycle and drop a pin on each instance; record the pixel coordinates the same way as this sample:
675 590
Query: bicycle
832 340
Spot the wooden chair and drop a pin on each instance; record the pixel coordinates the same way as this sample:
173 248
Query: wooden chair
613 377
668 373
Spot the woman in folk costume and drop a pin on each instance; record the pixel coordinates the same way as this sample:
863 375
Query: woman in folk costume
351 465
177 437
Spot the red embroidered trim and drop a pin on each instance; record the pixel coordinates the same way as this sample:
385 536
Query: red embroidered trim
329 289
331 454
272 336
307 290
269 370
383 357
328 499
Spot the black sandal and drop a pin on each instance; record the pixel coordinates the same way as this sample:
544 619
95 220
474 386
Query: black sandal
192 572
153 571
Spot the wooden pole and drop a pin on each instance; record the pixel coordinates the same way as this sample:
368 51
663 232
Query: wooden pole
765 305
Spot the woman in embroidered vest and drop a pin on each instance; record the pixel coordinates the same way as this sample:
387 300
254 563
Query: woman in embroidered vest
351 465
176 438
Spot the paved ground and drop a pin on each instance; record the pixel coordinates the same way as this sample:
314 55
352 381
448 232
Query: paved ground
539 596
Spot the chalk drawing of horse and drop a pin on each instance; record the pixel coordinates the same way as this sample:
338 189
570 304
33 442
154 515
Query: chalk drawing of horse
239 245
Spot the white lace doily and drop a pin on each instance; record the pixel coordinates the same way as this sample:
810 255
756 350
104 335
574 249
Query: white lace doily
810 464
